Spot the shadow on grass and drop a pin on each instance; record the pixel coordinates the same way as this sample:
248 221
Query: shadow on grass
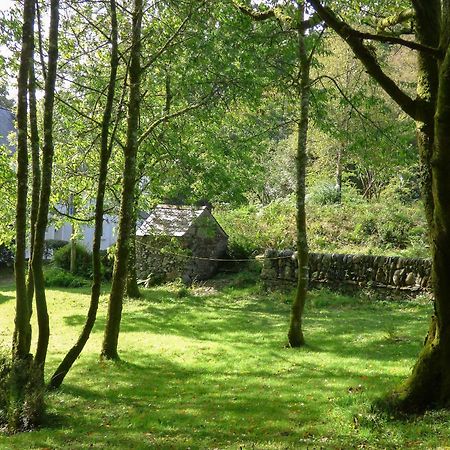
216 374
383 332
182 405
6 298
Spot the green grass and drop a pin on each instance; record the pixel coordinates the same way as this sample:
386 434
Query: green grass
210 370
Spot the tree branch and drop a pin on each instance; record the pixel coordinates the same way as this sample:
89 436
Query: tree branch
435 52
167 117
353 106
417 109
169 41
395 19
277 13
79 219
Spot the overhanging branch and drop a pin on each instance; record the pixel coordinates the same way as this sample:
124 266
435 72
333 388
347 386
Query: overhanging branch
396 19
417 109
277 13
435 52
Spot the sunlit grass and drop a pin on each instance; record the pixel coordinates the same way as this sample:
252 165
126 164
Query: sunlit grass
211 370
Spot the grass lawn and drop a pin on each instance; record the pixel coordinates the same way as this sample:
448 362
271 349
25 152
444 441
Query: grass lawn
208 369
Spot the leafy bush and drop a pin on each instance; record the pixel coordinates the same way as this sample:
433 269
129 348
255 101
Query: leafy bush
51 245
324 193
252 229
394 230
107 258
57 277
366 227
6 256
83 263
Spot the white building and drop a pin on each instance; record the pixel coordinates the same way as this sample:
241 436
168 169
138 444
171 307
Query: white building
64 233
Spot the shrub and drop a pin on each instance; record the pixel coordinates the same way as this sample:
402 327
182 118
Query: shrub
241 227
51 245
6 256
252 229
354 226
324 194
366 227
57 277
83 264
21 409
107 258
394 232
5 369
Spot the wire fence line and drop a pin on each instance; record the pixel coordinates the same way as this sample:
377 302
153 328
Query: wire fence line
204 258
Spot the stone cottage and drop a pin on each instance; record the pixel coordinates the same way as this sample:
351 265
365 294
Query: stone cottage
179 241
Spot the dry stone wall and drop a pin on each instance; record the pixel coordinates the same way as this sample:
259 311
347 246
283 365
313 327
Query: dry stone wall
403 274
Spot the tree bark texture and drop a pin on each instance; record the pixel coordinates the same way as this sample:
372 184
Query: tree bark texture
46 185
114 315
295 334
36 179
22 331
105 153
132 289
21 357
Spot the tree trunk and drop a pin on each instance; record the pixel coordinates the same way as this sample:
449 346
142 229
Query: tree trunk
339 173
36 185
22 360
46 184
429 384
114 315
132 289
295 334
22 331
105 154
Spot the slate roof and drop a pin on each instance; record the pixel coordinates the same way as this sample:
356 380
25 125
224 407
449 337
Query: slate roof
6 127
171 220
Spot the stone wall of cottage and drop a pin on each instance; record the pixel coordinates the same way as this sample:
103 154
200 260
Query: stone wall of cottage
403 274
190 257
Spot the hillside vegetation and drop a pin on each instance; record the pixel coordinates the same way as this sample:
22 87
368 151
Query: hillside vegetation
386 225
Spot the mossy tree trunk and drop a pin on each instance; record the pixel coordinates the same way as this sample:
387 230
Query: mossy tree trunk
429 383
22 332
105 154
73 240
295 334
21 357
46 185
114 315
36 177
132 289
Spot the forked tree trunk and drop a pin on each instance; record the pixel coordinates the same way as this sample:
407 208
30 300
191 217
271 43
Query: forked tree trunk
295 334
105 153
114 315
46 184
